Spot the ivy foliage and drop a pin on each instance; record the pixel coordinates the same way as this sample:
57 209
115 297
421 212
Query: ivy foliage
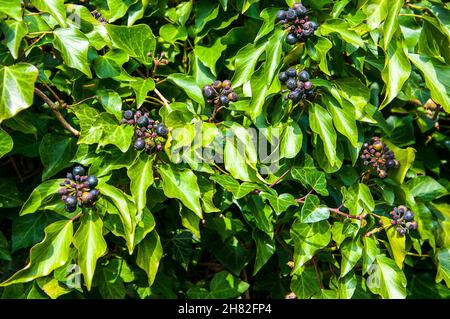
185 221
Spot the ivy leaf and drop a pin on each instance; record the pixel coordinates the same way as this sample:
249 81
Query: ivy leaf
318 52
268 15
14 32
40 196
55 7
312 211
436 76
245 62
189 85
6 143
233 186
265 248
304 284
56 151
12 8
310 176
149 255
49 254
396 241
370 253
91 245
118 8
443 260
126 209
141 87
181 184
308 239
141 177
136 40
73 45
396 70
426 188
391 23
351 250
29 230
387 280
210 55
343 119
321 123
406 159
279 203
291 139
111 101
16 87
343 29
358 199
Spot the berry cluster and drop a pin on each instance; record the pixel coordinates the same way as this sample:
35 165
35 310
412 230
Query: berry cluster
298 83
97 15
149 134
79 189
220 93
297 23
403 218
377 155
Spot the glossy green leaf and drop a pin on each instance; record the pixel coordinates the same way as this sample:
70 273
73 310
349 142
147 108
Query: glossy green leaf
181 184
312 211
141 177
308 239
12 8
149 255
396 71
55 7
136 40
6 143
14 32
351 250
321 123
91 245
16 87
73 45
56 152
386 279
51 253
40 196
436 77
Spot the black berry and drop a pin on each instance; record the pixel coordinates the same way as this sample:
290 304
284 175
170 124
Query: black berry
128 114
161 130
139 144
92 181
78 170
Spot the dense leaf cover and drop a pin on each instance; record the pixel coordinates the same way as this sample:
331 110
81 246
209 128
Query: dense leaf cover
224 148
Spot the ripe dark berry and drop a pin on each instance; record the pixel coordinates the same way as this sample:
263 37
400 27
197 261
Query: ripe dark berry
142 121
281 15
314 25
300 10
402 209
291 84
87 198
128 114
159 148
161 130
209 92
291 39
92 181
401 230
217 85
303 76
233 97
412 225
291 72
71 201
291 14
78 170
70 209
295 95
95 193
408 216
224 100
139 144
226 84
283 77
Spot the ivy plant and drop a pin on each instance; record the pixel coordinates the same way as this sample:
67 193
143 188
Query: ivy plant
224 149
